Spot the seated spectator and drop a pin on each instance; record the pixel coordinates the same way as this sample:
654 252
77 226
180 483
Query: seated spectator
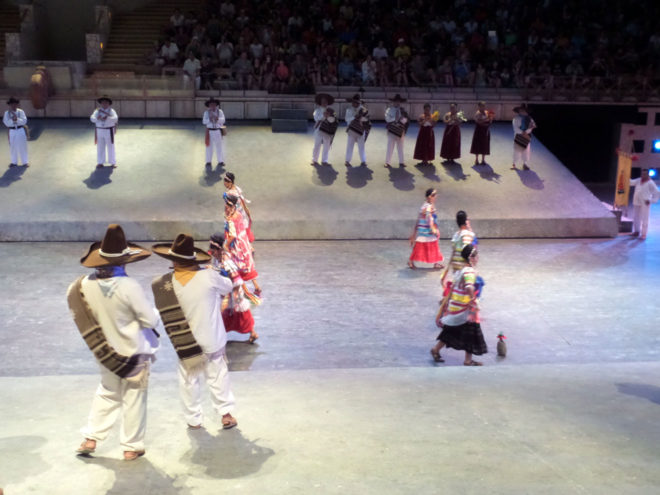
181 38
153 56
225 51
281 79
207 74
227 9
242 20
346 71
207 50
213 29
446 73
258 72
402 50
400 72
380 51
256 49
314 71
574 69
418 70
191 71
369 71
329 71
170 52
242 70
177 19
195 47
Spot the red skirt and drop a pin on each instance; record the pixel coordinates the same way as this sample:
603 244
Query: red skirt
238 321
481 140
425 145
451 142
426 252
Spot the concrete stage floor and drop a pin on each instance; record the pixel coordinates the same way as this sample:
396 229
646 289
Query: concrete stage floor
161 186
340 395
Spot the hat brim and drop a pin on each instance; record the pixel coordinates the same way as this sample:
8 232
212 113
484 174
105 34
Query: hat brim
163 250
94 259
12 100
329 98
101 100
208 102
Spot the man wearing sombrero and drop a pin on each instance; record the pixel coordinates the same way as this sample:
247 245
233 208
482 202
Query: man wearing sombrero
397 124
357 119
117 323
15 122
189 300
214 120
523 125
325 126
105 119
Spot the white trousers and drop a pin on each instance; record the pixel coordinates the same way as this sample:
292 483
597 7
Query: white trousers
321 139
520 154
641 219
186 81
18 146
215 142
216 375
391 141
350 144
103 142
115 395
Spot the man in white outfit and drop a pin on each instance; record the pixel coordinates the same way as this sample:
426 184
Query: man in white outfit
396 120
646 192
358 124
15 121
214 120
523 125
198 292
322 113
117 322
105 119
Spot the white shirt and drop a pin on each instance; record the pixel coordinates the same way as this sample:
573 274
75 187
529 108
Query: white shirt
644 192
200 300
517 123
351 113
206 120
191 67
318 114
170 52
110 120
393 114
379 52
124 313
21 119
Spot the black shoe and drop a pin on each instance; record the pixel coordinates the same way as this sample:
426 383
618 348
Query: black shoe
314 163
12 165
525 167
99 165
221 164
207 164
363 164
348 164
402 165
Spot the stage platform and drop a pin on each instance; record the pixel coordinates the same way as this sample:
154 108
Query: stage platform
161 187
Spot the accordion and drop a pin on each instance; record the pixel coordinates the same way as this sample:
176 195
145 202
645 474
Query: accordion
522 139
356 126
329 127
396 128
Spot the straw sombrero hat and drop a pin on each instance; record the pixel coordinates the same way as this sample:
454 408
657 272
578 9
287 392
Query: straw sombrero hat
328 98
113 250
182 250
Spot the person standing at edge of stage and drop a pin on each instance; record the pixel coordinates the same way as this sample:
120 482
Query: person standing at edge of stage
425 236
16 121
357 119
214 120
189 300
451 138
397 125
646 192
523 125
325 126
461 328
425 144
105 119
481 137
117 322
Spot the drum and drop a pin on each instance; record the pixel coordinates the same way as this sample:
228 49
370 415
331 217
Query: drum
396 128
522 139
329 127
356 126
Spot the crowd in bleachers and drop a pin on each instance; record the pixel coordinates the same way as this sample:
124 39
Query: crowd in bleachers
284 45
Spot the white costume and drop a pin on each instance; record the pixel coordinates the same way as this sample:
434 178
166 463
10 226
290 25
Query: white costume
105 121
354 137
200 299
213 120
320 138
519 153
121 308
393 114
647 191
17 135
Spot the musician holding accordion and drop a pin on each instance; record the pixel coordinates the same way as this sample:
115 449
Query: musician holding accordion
357 118
16 123
397 124
325 127
105 119
523 125
214 122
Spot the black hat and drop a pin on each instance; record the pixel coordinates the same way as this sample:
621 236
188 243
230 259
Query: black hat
355 98
328 98
182 250
521 107
104 98
397 97
12 100
211 100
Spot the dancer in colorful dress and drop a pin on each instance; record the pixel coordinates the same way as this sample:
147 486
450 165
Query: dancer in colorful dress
425 144
451 139
236 314
481 137
241 205
461 238
424 238
237 243
460 320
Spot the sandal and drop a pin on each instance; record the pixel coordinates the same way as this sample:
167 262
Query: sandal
411 265
228 421
253 338
473 363
87 447
436 357
438 266
131 455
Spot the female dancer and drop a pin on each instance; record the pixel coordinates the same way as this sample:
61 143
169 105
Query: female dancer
451 139
481 137
424 238
237 243
241 206
425 145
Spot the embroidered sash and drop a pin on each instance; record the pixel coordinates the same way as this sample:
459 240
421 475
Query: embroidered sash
190 353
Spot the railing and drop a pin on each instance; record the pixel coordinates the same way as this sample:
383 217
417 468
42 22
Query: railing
591 88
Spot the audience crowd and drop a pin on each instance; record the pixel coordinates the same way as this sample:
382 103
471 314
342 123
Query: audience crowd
286 46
